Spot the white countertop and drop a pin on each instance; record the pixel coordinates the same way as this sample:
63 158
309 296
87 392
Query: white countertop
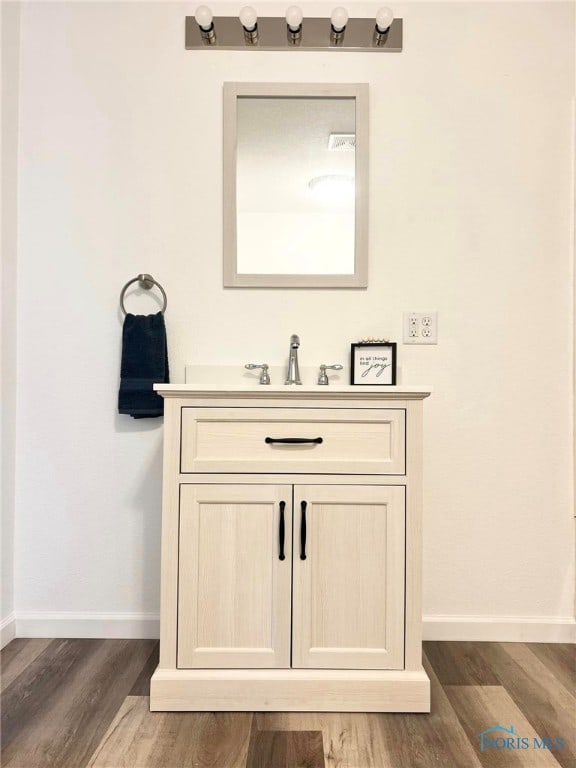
234 379
294 389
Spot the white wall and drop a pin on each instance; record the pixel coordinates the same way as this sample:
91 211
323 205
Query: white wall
10 22
120 172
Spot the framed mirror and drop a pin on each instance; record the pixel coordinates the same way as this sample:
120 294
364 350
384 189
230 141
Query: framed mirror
295 185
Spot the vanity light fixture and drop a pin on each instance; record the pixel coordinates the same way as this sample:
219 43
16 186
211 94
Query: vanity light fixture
249 21
273 33
338 21
204 19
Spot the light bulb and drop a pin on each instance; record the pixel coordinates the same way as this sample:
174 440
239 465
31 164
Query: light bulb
204 17
294 18
339 18
384 19
248 18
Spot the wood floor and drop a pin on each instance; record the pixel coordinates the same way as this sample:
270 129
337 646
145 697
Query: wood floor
80 703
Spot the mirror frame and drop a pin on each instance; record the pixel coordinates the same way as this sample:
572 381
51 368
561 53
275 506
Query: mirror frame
358 91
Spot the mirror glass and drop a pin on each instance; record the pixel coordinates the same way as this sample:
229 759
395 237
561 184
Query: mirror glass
295 185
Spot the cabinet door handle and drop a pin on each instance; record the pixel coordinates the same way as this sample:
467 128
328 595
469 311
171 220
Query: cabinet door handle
294 440
303 506
282 530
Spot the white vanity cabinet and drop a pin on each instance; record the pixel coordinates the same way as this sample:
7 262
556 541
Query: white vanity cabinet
291 550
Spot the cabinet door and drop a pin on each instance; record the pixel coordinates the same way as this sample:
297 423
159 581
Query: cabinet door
234 590
348 596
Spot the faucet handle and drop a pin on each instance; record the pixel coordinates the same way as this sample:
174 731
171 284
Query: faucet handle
323 376
264 376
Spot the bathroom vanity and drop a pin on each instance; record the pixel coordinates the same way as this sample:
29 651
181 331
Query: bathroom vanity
291 550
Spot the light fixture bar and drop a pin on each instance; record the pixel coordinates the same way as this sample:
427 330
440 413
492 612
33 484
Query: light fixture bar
315 35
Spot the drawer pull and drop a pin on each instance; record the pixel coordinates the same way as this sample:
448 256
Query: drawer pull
282 531
303 506
294 440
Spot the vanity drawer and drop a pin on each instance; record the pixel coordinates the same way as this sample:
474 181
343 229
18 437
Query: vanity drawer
353 441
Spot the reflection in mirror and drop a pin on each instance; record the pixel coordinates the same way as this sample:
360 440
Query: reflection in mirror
295 185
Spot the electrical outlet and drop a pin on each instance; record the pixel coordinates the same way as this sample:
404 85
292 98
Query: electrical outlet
420 327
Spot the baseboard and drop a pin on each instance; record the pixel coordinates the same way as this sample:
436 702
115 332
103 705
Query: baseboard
137 626
130 626
7 629
505 629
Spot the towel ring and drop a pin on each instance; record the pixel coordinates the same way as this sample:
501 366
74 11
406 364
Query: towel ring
146 281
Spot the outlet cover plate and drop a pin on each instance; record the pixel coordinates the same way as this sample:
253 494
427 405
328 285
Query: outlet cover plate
420 327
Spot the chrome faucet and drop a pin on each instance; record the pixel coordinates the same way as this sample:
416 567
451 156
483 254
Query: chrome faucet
293 376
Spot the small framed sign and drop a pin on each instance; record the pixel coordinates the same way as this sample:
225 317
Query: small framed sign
373 363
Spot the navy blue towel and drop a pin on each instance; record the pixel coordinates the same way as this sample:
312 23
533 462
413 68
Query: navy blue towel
144 363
